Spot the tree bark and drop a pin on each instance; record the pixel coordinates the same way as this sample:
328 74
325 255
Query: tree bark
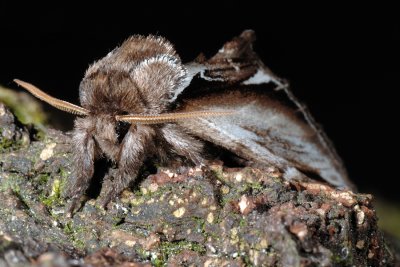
208 216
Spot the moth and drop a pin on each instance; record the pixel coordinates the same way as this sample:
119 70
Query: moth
231 100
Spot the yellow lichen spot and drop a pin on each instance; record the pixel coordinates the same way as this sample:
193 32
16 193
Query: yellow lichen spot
210 217
171 202
169 173
130 243
179 212
188 231
25 140
234 240
136 211
144 191
151 200
238 177
166 230
360 215
225 189
213 207
255 256
91 202
193 195
55 190
136 201
321 212
234 231
126 196
48 151
264 243
204 202
179 200
234 236
153 187
251 252
346 198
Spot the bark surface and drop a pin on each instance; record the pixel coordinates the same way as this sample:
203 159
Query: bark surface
208 216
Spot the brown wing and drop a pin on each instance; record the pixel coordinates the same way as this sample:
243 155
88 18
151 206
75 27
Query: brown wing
269 126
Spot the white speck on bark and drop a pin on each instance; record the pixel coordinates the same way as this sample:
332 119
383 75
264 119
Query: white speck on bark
48 151
243 203
179 212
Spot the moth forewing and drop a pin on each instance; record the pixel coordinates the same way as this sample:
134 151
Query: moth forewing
270 125
263 130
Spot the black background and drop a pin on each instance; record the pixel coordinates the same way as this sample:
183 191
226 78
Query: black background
342 61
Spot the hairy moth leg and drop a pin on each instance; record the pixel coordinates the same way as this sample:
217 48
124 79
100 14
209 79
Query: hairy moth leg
106 137
182 143
84 156
136 143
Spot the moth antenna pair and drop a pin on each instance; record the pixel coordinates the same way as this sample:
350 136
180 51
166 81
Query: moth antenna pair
136 118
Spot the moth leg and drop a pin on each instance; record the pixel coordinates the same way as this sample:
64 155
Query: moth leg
182 143
84 156
136 143
107 138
